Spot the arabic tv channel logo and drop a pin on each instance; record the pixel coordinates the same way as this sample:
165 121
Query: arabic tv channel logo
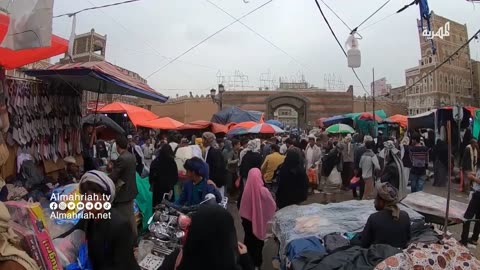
443 31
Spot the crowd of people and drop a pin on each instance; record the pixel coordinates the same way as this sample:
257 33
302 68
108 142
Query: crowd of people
265 175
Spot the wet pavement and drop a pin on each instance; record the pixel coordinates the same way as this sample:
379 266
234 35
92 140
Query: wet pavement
270 249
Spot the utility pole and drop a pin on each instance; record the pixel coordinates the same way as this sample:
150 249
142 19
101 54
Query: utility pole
373 103
365 102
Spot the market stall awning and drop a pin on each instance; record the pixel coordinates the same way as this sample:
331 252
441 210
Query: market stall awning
201 125
165 123
399 119
423 120
338 119
137 115
236 115
97 76
10 59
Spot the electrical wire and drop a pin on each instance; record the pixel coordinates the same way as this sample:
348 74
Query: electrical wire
475 36
341 47
372 24
338 17
206 39
147 42
258 34
96 7
376 11
356 28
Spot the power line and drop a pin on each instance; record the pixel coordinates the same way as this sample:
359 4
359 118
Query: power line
372 24
96 7
356 28
258 34
344 23
147 42
341 47
475 36
206 39
376 11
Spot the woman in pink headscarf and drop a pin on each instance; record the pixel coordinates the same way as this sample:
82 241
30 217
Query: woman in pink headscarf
256 209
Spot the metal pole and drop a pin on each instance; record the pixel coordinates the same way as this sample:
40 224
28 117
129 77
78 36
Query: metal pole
220 97
449 139
373 103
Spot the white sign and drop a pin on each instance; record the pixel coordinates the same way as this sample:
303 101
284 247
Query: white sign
441 33
151 262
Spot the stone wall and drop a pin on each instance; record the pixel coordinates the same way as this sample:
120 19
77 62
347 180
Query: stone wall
390 107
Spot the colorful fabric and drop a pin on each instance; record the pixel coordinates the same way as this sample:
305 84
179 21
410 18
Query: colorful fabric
449 255
144 199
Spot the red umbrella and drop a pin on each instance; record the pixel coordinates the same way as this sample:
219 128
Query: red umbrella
369 116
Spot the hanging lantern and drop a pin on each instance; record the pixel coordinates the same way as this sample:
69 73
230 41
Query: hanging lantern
4 22
354 56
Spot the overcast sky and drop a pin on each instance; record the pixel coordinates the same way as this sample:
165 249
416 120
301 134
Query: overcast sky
145 35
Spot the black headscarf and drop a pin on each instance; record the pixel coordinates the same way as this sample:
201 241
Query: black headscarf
212 241
292 180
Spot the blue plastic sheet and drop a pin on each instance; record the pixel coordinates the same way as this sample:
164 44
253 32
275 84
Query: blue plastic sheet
83 263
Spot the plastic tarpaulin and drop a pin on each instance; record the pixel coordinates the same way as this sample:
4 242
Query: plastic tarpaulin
295 222
97 76
476 124
435 205
204 125
401 120
10 59
136 114
236 115
144 199
338 119
166 123
423 120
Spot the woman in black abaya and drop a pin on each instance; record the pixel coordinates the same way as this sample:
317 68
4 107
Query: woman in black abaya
212 243
292 181
163 174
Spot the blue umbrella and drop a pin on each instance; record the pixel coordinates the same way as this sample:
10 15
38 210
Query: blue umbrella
237 131
275 123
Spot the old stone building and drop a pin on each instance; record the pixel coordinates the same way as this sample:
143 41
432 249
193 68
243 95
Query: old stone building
476 80
183 109
90 47
309 104
398 94
451 83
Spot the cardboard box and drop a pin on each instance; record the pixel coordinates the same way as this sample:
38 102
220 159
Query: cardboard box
30 216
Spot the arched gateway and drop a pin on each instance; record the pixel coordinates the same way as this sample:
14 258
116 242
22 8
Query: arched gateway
288 99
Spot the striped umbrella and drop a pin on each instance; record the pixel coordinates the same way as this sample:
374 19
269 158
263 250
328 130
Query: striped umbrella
340 128
265 129
237 131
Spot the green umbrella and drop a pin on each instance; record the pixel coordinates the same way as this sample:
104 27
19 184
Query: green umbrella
340 128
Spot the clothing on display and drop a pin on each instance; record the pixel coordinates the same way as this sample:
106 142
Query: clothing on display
44 120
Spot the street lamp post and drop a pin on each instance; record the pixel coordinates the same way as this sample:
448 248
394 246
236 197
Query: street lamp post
218 99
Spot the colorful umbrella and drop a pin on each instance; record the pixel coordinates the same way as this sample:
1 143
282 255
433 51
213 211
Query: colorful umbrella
275 123
245 125
237 131
265 129
340 128
369 116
